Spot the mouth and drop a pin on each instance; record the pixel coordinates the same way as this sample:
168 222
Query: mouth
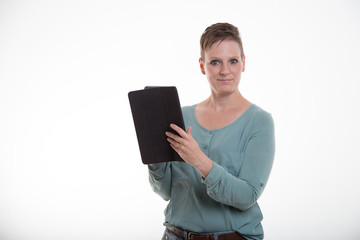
224 80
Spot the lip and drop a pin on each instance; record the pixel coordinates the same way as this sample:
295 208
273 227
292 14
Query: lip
224 80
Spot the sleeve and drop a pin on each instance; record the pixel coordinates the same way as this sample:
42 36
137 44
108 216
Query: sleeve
160 179
244 190
160 173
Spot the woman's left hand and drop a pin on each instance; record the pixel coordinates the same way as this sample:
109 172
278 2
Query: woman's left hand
188 149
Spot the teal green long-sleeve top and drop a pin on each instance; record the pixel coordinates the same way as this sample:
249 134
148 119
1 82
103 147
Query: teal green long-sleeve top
243 154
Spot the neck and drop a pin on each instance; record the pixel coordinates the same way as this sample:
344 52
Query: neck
225 102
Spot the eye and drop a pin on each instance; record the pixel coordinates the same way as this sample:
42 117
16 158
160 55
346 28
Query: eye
214 62
233 61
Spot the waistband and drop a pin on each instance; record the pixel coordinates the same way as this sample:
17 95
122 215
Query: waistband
198 236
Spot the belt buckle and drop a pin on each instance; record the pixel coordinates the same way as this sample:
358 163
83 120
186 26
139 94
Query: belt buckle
190 234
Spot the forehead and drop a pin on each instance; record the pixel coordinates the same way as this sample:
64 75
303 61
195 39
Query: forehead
225 48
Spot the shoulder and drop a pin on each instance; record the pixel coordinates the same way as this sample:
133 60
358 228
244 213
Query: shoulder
260 117
188 115
188 110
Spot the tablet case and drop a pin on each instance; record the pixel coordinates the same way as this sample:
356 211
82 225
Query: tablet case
153 109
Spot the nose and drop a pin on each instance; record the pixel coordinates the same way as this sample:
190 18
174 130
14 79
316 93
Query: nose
224 70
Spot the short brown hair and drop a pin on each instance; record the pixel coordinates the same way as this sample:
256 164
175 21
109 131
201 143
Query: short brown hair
219 32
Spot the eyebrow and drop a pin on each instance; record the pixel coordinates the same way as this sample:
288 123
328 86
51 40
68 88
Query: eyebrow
217 58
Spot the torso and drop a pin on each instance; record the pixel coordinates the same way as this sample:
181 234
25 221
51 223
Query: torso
191 206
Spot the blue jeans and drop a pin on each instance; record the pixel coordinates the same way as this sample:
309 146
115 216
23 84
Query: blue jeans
168 235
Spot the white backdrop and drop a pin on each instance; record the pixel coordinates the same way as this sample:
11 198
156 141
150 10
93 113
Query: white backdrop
69 161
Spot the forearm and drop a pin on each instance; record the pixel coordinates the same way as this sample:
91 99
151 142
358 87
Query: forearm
160 179
230 190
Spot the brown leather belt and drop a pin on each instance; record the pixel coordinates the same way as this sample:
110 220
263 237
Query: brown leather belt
196 236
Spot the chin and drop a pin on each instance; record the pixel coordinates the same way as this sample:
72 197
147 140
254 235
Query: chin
225 91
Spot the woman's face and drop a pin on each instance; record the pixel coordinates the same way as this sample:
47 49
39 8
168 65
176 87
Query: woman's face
222 65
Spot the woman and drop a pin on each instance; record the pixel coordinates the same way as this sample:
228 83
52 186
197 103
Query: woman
228 149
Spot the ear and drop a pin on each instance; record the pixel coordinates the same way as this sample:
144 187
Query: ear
243 63
202 66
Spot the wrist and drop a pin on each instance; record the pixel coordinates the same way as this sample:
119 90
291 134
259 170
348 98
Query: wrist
204 166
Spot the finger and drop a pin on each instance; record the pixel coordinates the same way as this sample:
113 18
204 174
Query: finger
174 136
175 148
178 129
173 142
188 131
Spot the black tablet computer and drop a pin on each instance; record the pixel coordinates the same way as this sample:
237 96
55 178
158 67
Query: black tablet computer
153 110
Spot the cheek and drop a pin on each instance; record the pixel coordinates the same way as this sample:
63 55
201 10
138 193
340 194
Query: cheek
210 71
237 70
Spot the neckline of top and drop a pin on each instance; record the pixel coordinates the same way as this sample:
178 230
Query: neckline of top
222 128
